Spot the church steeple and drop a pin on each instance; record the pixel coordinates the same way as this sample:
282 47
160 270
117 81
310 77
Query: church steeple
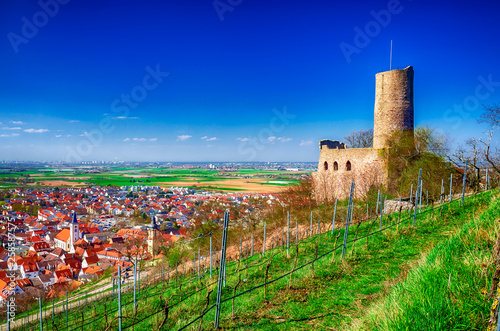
153 223
74 233
152 236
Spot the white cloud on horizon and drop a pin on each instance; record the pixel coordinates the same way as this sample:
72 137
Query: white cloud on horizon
204 137
74 121
183 137
284 140
16 122
212 139
125 118
272 139
58 136
305 142
243 139
14 128
140 139
36 130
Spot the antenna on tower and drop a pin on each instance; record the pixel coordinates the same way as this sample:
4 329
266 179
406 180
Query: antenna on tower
390 61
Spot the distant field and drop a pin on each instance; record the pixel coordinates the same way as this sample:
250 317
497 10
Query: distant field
246 180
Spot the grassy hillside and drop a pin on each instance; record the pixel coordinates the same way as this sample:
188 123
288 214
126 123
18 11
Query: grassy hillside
388 280
448 288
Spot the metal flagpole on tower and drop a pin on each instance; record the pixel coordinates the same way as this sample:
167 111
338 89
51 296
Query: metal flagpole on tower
390 61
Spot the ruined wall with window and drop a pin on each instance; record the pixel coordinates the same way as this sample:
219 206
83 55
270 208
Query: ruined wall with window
339 166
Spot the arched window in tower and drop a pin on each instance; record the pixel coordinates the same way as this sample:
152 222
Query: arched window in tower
325 165
348 166
335 166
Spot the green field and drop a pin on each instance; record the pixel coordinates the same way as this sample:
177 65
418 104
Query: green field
241 180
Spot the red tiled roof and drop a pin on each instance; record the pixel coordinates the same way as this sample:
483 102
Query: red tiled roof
41 246
66 273
23 282
91 260
64 235
112 253
93 270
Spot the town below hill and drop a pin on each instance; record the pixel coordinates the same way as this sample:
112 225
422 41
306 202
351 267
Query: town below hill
56 239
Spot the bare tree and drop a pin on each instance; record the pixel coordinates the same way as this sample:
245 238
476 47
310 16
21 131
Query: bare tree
410 151
430 140
490 116
472 153
360 139
135 247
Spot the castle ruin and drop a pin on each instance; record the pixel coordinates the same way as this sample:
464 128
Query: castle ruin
339 165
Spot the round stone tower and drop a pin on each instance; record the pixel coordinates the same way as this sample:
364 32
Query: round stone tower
393 104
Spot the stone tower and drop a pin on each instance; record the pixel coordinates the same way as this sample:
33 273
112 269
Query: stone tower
340 165
393 104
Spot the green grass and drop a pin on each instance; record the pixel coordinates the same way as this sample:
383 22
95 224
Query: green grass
217 188
356 293
338 294
290 182
448 289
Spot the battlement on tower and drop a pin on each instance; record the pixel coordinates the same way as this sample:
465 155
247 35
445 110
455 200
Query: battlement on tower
331 144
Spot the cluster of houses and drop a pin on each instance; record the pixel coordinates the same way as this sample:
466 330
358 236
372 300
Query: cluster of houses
60 257
76 235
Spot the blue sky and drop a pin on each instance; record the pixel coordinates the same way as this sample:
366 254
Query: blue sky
231 80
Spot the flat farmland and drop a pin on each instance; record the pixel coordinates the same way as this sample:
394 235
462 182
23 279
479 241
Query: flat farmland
242 180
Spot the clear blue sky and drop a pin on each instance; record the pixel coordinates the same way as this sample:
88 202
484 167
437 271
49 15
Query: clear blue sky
236 81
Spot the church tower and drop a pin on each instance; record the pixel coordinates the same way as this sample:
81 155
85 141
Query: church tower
73 232
152 236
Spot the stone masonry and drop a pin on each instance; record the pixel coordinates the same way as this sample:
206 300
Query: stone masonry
393 104
339 166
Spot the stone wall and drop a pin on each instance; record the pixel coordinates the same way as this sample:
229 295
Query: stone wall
393 206
393 104
333 179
